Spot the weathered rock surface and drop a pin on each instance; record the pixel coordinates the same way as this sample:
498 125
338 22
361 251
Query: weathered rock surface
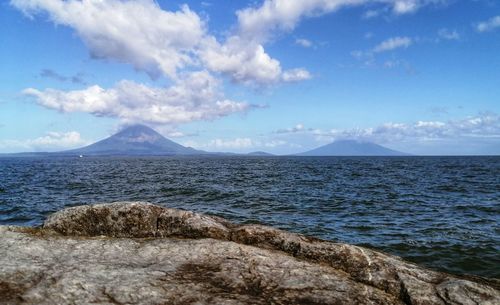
138 253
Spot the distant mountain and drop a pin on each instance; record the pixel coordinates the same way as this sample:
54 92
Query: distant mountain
135 140
352 148
260 153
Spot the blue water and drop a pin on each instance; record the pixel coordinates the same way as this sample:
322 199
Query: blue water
441 212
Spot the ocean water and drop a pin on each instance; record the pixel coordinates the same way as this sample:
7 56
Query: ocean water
440 212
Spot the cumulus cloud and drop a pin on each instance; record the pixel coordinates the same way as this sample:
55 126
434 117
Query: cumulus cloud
51 141
488 25
160 42
141 33
284 15
135 32
243 56
171 43
245 62
194 97
257 25
393 43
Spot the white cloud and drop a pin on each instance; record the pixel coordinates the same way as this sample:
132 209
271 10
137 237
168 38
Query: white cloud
171 43
222 144
162 42
51 141
194 97
136 32
371 14
242 144
406 6
238 143
245 62
303 42
369 56
243 56
393 43
489 25
157 41
294 129
401 7
486 125
296 75
282 15
274 143
448 34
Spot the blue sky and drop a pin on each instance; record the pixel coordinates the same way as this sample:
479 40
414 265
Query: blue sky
421 76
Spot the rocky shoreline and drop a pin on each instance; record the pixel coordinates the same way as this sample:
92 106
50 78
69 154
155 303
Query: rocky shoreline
138 253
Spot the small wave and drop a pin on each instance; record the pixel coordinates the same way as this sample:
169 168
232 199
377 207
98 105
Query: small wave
361 228
174 191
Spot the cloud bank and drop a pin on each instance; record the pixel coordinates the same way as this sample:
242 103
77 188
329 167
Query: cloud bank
486 125
51 141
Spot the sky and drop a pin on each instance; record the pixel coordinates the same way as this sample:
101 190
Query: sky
281 76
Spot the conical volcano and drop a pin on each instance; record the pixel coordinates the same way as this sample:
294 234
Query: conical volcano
135 140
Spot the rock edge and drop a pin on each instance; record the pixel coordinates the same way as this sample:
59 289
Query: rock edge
397 281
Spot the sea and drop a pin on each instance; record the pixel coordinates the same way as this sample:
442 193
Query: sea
439 212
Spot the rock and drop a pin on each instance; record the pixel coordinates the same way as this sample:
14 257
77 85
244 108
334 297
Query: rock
138 253
136 219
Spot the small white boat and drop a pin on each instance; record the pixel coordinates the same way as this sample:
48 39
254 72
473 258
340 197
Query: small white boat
81 156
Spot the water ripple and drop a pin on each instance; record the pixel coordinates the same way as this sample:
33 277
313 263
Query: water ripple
442 212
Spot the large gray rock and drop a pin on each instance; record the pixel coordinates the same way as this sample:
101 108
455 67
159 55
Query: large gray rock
138 253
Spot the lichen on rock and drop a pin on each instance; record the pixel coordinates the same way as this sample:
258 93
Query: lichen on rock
139 253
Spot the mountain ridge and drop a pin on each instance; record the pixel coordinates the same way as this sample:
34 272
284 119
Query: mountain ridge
141 140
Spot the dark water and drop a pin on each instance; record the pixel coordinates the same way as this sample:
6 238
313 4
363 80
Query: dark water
441 212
